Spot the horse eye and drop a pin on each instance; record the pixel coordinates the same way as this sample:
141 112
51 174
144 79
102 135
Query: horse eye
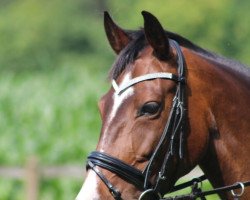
150 108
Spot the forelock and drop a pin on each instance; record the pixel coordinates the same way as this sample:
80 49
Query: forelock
129 54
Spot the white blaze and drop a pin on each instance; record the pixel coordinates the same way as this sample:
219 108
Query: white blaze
89 188
118 100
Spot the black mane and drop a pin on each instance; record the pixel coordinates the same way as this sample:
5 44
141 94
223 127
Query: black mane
129 54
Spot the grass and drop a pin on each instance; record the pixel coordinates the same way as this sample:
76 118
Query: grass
50 114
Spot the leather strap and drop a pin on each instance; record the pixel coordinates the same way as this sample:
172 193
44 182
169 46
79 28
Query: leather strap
123 170
162 75
115 193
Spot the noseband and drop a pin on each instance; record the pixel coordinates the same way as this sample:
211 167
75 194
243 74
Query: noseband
173 135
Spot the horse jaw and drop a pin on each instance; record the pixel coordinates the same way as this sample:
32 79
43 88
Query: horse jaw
89 188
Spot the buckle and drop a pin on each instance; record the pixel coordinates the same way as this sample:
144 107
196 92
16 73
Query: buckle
149 195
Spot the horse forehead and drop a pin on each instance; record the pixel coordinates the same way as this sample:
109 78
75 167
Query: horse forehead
147 63
150 64
118 99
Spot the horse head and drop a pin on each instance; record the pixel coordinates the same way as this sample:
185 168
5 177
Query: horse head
151 134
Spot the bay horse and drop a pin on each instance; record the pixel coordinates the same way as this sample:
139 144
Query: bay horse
172 106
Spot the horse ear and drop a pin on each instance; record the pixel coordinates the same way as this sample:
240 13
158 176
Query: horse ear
156 36
117 37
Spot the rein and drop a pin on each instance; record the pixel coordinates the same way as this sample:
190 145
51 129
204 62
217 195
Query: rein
198 193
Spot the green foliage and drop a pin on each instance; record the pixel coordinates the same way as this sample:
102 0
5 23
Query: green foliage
54 58
52 189
37 34
52 115
221 26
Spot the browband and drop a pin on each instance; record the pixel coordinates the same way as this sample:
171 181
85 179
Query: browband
162 75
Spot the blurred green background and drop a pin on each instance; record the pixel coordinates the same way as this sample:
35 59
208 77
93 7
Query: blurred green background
54 60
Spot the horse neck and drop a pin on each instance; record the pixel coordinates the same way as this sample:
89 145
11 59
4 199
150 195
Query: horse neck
225 97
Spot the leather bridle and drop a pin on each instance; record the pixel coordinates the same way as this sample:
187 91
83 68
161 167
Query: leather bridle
171 139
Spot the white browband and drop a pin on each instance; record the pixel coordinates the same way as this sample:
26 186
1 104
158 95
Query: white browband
162 75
